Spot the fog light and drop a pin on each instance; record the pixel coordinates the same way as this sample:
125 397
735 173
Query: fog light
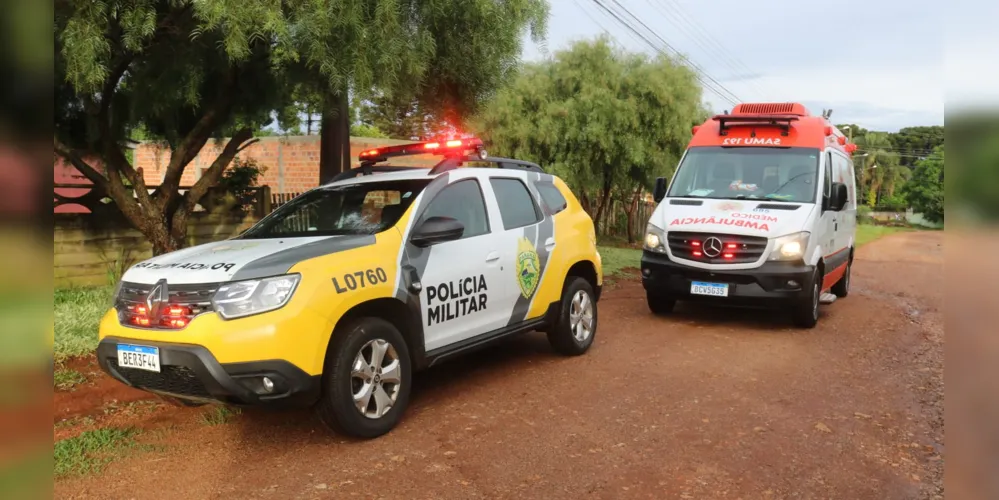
268 384
646 272
792 284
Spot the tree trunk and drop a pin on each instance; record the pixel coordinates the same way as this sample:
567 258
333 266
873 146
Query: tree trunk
631 210
602 205
334 137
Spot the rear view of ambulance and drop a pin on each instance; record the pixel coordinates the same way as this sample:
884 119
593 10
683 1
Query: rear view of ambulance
761 211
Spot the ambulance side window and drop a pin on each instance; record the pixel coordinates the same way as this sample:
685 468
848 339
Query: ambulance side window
827 180
463 201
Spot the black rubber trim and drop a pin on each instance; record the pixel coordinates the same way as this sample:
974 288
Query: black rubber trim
293 386
482 340
836 259
764 285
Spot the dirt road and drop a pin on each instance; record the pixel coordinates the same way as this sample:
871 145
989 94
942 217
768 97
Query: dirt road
710 403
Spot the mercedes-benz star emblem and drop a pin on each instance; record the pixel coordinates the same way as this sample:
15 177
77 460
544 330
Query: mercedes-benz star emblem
712 247
157 298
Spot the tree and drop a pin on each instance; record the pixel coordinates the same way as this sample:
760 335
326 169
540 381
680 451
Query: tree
188 71
606 121
915 142
159 66
925 191
448 55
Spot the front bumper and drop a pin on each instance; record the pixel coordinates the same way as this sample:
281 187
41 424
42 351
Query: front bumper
190 372
767 285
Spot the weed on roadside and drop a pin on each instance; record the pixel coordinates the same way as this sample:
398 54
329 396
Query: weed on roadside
615 260
219 415
78 313
66 379
91 450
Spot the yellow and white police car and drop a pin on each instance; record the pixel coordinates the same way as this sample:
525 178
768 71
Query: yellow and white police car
338 296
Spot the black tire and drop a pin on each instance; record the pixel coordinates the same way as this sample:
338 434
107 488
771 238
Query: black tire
842 287
336 406
660 304
571 339
806 312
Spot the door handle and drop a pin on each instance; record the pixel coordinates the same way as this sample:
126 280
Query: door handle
550 244
492 257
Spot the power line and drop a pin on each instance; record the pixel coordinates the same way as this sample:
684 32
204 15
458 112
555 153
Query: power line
699 74
710 44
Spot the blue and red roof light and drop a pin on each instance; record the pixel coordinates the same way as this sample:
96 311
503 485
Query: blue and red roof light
449 147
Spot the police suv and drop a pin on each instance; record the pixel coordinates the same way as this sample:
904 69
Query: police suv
338 296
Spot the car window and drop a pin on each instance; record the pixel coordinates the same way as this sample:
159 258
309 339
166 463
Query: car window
363 208
516 204
463 201
552 197
827 180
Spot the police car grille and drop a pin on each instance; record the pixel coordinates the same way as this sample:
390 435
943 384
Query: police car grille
178 380
197 298
743 249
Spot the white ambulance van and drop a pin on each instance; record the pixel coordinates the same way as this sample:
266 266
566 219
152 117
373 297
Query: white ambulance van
761 211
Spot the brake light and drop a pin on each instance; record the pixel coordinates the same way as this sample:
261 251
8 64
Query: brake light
177 322
141 309
140 320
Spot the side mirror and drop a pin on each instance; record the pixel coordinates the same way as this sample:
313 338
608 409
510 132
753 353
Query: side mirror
437 230
660 192
837 201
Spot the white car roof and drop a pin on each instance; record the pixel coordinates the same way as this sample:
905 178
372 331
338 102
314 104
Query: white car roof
421 173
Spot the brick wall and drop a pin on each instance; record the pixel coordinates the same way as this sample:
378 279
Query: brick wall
292 162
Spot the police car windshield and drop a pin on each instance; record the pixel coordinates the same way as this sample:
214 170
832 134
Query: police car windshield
364 208
775 174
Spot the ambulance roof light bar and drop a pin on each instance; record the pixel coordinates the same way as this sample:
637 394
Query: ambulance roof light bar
783 121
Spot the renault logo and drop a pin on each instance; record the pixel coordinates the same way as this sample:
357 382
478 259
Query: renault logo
158 297
712 247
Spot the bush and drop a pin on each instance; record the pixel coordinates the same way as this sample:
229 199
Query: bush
864 215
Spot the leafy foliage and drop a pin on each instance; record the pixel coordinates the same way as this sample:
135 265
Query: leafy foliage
925 192
185 71
606 121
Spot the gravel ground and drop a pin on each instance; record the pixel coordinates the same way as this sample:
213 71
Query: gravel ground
708 403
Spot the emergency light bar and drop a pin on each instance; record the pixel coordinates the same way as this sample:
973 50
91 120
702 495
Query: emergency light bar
783 121
454 147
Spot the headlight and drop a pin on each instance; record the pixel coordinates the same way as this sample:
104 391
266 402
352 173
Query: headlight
243 298
655 239
790 247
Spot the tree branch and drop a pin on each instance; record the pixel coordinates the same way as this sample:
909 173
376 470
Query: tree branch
74 159
195 139
209 179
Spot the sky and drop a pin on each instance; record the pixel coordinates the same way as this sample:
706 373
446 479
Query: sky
876 63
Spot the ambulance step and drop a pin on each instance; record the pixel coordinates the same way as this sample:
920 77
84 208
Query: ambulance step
827 298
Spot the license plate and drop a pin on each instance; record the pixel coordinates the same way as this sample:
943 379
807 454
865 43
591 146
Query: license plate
715 289
139 356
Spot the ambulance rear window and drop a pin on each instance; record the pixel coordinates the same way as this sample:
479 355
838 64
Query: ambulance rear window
362 208
777 174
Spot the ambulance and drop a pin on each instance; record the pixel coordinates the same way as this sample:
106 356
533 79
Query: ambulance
761 211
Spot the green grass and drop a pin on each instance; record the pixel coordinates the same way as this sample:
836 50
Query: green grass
616 259
867 233
219 415
66 379
90 451
78 313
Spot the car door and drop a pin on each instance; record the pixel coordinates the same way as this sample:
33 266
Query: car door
461 279
527 237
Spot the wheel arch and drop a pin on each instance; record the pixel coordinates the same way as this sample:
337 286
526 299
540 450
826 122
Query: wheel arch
396 312
587 270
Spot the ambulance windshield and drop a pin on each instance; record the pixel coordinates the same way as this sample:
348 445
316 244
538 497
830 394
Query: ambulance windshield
361 208
776 174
